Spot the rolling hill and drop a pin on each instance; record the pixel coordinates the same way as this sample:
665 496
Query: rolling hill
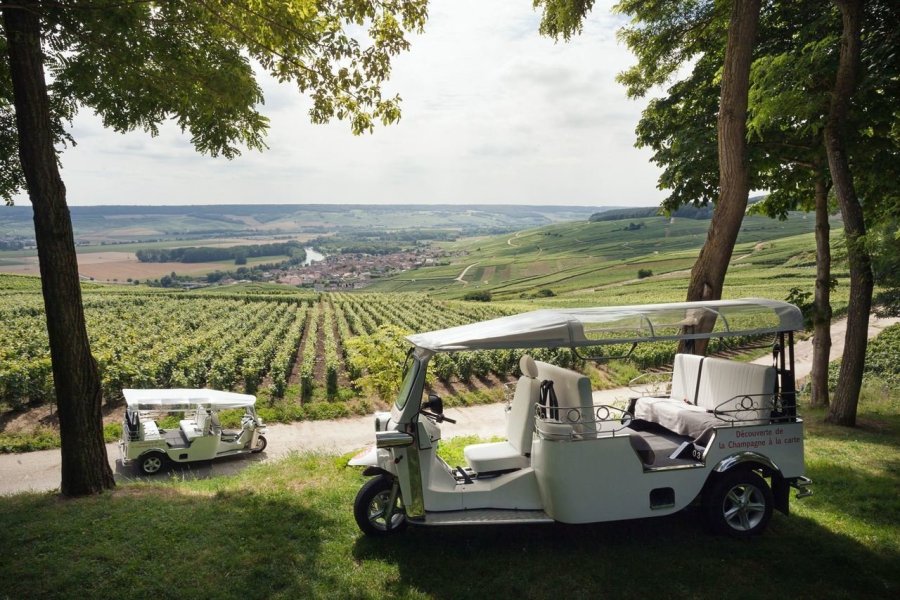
591 259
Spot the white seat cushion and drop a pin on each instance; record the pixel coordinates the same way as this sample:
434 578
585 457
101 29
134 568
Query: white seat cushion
645 408
683 418
498 456
554 430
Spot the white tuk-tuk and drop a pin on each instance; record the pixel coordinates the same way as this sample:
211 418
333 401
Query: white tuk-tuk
199 435
723 432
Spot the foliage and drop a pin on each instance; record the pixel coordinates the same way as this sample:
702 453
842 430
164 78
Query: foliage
681 45
883 356
644 273
212 253
802 299
482 296
379 356
139 64
882 362
883 242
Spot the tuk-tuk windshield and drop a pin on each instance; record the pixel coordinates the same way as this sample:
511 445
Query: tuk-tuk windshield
412 371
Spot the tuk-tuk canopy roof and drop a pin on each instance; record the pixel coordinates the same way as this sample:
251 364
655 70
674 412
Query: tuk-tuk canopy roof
185 399
579 327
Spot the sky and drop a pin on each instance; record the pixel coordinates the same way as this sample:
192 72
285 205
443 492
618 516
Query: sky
493 113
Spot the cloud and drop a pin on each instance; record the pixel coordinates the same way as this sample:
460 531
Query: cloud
492 113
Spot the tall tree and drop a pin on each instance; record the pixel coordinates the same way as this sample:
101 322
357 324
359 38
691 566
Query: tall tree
846 395
790 84
137 65
708 273
665 35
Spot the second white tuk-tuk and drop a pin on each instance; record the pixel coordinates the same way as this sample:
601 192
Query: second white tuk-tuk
723 432
199 435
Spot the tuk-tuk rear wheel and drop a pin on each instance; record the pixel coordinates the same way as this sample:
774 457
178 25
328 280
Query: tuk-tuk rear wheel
739 504
152 463
370 508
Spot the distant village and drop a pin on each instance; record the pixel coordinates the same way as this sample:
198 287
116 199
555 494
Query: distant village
356 271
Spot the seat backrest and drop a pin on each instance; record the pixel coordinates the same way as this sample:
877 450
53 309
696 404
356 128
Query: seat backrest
215 426
724 384
685 371
520 420
573 390
202 418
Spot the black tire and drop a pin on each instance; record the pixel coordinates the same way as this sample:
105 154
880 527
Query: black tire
152 463
738 503
261 444
368 508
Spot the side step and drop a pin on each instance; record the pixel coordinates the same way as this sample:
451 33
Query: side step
802 484
483 516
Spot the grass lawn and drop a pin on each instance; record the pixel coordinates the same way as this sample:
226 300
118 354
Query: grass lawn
285 530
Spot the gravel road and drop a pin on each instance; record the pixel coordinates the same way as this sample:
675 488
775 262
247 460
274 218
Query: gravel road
39 471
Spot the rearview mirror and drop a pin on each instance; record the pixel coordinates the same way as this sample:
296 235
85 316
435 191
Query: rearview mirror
434 404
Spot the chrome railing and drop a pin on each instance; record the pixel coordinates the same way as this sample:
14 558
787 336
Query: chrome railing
578 423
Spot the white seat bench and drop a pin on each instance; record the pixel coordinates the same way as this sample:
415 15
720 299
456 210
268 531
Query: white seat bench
515 452
683 391
151 430
724 392
190 429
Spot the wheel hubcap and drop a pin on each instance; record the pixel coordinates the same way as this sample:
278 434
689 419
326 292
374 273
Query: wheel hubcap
744 507
378 509
152 465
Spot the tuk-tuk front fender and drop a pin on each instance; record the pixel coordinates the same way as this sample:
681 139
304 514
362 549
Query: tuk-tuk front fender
376 461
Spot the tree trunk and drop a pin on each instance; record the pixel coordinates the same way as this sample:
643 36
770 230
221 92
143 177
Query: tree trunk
822 300
85 469
846 395
708 273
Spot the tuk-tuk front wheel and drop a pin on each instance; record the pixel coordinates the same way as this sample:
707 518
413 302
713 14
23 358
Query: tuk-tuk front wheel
261 444
374 512
152 463
739 504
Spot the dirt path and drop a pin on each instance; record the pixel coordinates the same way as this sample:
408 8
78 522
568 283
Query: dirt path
39 471
510 240
462 275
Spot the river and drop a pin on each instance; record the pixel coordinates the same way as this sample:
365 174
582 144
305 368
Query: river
312 256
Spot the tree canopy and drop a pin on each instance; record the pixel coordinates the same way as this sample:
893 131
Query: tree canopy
140 64
813 72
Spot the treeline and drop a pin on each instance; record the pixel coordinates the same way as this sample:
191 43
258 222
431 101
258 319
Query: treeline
688 211
379 242
620 214
210 254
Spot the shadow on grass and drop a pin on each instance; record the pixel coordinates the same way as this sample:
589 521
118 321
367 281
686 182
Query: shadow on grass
152 542
870 499
189 471
664 557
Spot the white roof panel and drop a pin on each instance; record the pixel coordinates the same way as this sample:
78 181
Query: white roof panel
552 328
182 399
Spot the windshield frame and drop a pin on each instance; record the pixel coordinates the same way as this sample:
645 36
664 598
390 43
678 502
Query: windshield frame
411 370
